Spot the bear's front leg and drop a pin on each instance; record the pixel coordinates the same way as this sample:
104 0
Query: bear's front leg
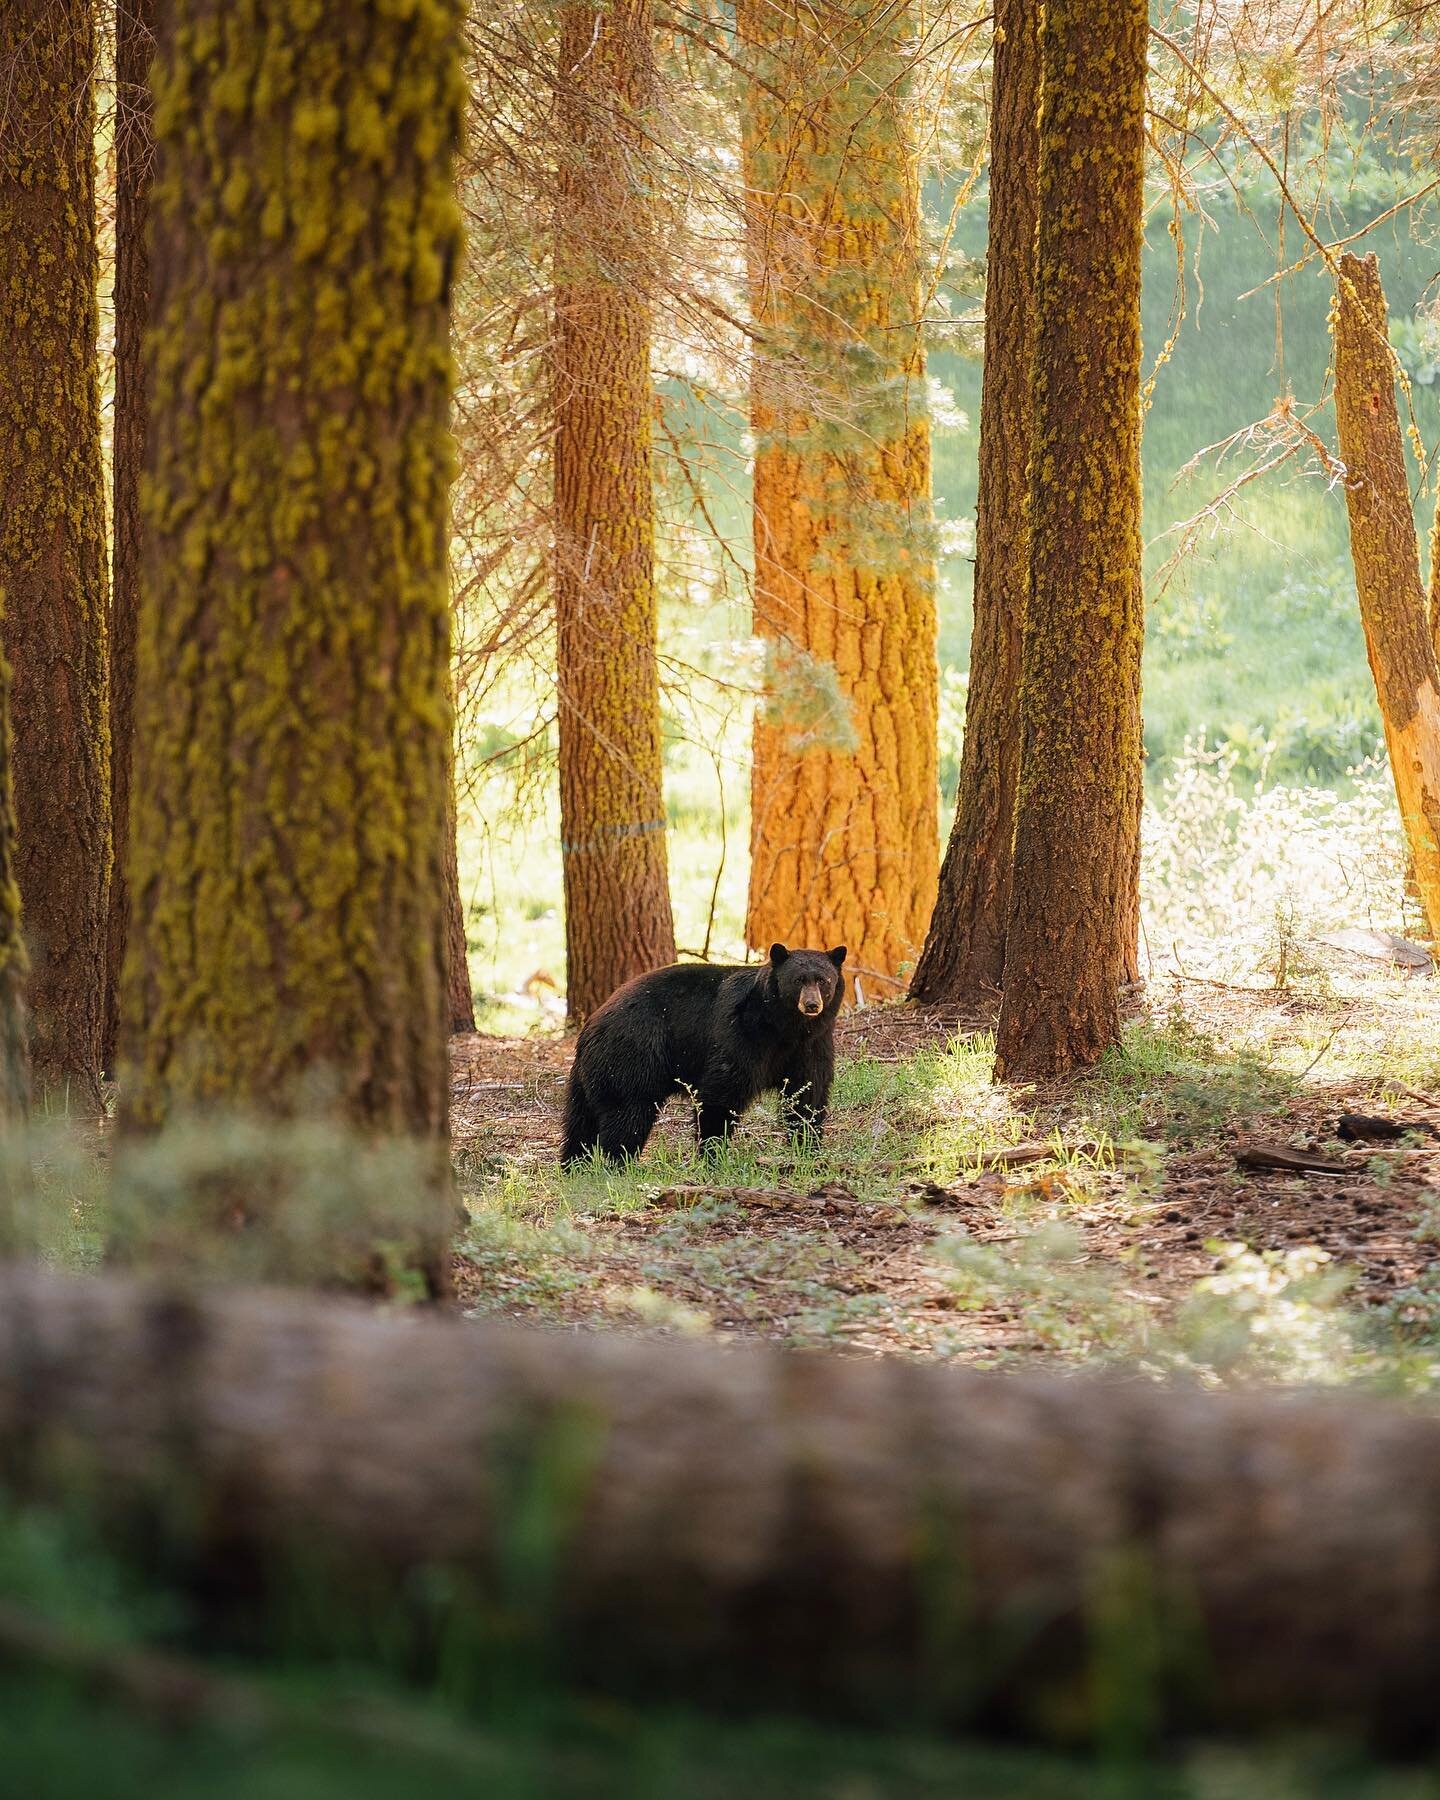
723 1095
713 1125
805 1092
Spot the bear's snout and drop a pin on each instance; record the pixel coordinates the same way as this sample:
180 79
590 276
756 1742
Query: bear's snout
812 1001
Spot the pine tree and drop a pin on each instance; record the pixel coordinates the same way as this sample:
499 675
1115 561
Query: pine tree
844 833
134 151
612 815
292 717
1073 901
964 955
1386 556
52 530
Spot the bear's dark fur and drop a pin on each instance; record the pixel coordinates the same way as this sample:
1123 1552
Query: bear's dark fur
726 1035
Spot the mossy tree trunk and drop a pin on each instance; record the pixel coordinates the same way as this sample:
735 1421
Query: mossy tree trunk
14 1027
964 956
134 153
618 921
844 829
1055 1556
292 717
1070 942
52 530
1386 556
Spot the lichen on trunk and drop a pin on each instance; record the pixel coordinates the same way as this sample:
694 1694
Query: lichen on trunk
292 715
844 829
52 530
618 920
1070 941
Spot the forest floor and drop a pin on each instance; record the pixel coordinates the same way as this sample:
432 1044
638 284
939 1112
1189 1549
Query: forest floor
1112 1218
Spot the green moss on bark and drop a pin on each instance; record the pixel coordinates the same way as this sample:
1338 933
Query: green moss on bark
52 530
1073 904
292 716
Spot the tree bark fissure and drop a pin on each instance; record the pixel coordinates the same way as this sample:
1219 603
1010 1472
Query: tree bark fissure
964 956
14 965
618 920
844 828
1386 556
134 154
52 531
1074 909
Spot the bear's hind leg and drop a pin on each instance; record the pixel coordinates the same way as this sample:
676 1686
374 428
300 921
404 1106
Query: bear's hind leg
625 1130
582 1127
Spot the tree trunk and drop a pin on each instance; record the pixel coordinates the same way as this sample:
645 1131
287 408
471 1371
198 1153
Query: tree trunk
461 998
612 811
1386 555
134 152
52 530
14 1026
964 955
844 830
292 720
1053 1556
1074 890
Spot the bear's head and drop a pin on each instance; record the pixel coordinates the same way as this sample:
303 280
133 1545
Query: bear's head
808 981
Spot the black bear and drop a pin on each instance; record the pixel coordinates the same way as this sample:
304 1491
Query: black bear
726 1035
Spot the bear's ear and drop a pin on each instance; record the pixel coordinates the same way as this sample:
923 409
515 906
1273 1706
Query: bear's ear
837 955
778 953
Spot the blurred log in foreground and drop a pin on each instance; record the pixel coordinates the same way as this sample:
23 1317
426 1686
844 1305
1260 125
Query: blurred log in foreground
1063 1557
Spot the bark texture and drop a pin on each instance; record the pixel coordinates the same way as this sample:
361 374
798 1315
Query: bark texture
461 996
964 956
1386 556
1044 1554
292 727
52 530
134 155
844 831
1074 890
618 921
14 1026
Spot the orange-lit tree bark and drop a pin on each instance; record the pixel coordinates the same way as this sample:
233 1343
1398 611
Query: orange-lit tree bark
14 1030
1386 556
52 529
964 955
292 721
1073 906
134 149
618 921
844 832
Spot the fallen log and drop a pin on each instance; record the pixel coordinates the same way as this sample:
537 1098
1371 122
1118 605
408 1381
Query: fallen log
867 1538
1265 1157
